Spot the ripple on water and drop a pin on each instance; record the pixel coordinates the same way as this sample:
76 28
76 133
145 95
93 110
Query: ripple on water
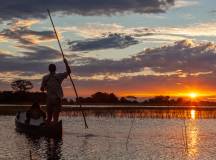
107 139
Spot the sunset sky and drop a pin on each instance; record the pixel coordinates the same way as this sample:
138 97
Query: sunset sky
129 47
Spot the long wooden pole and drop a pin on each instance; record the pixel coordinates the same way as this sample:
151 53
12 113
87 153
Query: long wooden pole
77 97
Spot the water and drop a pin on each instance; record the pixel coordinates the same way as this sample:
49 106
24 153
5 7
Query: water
118 138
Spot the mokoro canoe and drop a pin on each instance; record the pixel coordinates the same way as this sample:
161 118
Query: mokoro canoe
37 127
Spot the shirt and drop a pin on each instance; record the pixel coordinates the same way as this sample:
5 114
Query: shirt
52 84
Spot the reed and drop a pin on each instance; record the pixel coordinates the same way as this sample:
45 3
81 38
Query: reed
185 136
129 133
112 111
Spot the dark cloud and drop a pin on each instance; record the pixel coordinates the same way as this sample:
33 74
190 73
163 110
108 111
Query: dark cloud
186 56
212 11
35 60
117 41
40 53
23 35
37 9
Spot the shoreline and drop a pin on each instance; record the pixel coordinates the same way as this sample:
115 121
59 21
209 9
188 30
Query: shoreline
164 112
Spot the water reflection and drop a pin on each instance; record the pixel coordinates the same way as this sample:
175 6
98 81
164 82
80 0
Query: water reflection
192 137
54 151
183 113
52 148
106 138
193 114
192 140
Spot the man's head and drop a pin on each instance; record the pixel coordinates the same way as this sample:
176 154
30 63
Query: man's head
52 68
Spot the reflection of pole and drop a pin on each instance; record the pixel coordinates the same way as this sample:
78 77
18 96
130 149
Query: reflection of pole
30 155
86 126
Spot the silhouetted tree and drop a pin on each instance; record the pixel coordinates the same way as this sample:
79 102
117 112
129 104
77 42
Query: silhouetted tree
21 85
180 100
131 97
124 100
158 100
64 101
100 97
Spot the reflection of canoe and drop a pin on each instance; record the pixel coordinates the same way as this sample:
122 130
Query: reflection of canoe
37 127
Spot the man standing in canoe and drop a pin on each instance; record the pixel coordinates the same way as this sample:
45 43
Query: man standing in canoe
52 84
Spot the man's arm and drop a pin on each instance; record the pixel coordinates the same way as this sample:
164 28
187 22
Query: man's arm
42 88
62 76
67 66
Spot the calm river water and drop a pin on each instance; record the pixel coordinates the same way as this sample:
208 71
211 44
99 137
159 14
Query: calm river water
116 138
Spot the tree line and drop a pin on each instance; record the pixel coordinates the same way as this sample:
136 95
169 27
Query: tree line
21 95
99 98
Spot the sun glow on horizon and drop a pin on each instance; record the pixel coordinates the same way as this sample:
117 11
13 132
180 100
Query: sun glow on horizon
193 95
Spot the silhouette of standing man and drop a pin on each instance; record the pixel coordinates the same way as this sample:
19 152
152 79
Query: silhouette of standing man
51 83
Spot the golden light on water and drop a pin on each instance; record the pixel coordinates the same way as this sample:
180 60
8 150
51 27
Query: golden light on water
193 114
192 133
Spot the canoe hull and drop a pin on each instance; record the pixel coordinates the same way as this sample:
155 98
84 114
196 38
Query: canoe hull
54 130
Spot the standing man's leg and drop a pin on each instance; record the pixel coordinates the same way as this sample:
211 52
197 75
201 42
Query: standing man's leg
49 116
57 110
56 116
49 112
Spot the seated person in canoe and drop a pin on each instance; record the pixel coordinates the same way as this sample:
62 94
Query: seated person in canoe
35 112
